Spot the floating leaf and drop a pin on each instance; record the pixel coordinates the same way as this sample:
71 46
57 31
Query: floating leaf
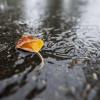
30 43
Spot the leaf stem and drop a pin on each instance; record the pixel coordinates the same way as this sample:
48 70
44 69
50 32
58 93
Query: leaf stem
42 60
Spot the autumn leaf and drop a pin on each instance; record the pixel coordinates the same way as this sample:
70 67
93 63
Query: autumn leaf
30 43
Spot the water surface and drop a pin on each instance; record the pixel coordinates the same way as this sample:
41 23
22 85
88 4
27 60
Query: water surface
70 29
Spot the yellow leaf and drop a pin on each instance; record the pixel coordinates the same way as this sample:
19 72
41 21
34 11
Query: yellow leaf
29 43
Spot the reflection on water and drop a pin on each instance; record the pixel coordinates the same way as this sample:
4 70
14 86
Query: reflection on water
89 25
3 5
34 12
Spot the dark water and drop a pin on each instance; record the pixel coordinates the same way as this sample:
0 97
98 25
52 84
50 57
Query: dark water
71 31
